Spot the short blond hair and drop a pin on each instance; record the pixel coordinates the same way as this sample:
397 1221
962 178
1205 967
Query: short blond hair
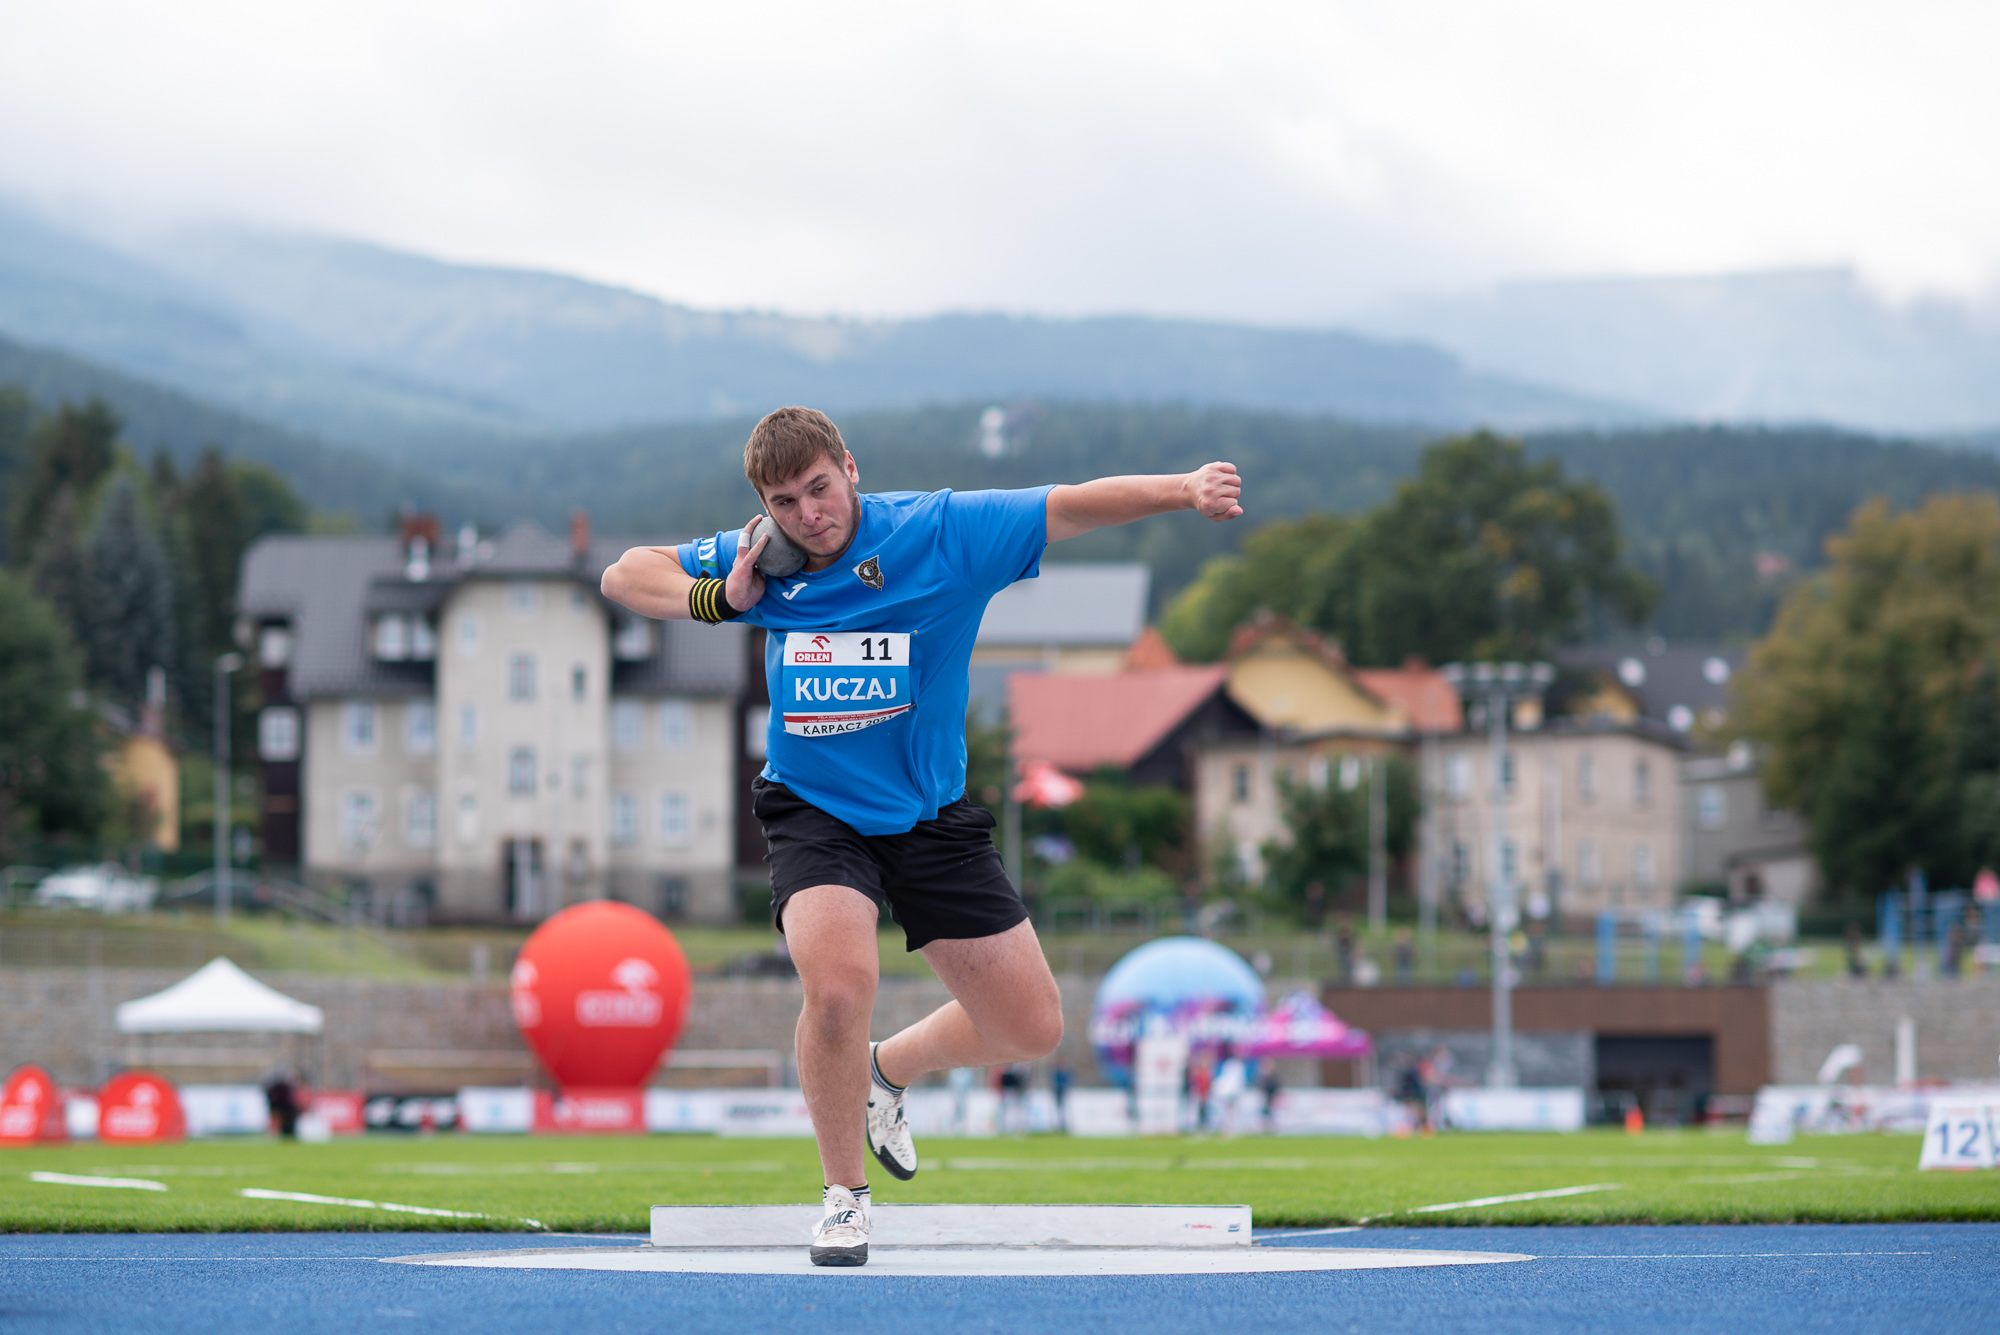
787 442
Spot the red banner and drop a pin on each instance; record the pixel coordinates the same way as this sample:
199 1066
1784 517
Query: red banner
138 1108
341 1108
31 1109
599 1111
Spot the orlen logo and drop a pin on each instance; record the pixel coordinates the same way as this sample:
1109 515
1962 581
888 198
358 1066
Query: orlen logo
527 1006
140 1119
819 653
637 1007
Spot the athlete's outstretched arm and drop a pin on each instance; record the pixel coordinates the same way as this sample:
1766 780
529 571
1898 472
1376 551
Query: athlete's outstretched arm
649 581
1213 490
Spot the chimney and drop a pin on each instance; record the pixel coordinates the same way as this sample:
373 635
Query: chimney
420 543
579 536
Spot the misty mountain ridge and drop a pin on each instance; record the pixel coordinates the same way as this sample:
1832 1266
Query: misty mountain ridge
1803 345
395 351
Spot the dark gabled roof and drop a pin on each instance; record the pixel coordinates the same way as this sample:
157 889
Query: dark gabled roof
1660 676
327 587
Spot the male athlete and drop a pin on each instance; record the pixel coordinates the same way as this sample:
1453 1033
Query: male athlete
862 798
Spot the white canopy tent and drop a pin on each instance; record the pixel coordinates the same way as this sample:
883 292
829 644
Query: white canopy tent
219 998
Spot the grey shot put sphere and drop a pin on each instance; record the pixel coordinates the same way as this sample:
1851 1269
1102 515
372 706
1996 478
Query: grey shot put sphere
779 558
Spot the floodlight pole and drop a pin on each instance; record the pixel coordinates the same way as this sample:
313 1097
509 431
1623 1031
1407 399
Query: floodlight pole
1498 686
224 665
1501 1073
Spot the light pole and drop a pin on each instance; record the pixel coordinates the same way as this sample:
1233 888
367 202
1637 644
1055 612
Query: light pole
224 665
1498 687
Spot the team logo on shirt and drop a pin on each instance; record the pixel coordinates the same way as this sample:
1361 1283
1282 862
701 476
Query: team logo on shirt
870 572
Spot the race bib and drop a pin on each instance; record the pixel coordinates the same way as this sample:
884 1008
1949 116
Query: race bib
843 681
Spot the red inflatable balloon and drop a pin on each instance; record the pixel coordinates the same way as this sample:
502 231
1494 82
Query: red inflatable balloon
31 1109
138 1108
600 992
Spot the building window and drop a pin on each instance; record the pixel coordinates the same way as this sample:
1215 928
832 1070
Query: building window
521 677
1460 870
625 725
357 726
1642 783
359 812
1318 770
633 640
468 726
1239 784
1588 869
624 820
1586 777
1507 773
468 634
468 820
524 597
1643 873
579 776
1711 806
392 638
274 646
1510 859
419 820
673 818
278 733
521 771
578 680
420 727
1458 777
676 725
423 640
1350 773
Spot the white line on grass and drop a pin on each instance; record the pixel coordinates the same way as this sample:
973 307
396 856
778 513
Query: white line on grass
1517 1196
76 1180
307 1198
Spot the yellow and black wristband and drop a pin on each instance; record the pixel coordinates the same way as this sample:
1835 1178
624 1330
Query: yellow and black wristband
707 601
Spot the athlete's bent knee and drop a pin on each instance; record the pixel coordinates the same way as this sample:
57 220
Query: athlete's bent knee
840 1002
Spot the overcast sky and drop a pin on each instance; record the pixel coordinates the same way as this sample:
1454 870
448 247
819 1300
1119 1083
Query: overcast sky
1272 162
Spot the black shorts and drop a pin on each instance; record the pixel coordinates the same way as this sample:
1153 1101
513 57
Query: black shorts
941 881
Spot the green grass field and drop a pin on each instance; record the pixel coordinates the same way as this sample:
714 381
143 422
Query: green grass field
606 1184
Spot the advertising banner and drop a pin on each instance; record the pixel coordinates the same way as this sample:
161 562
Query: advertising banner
31 1109
139 1108
604 1111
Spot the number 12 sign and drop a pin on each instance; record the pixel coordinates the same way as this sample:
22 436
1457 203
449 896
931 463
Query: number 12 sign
1960 1135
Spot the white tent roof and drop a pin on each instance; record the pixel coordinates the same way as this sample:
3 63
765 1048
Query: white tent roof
216 997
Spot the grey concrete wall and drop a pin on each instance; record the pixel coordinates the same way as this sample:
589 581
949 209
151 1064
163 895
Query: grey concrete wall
414 1036
1957 1025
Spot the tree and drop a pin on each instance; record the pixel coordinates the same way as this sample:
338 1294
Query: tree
1875 696
128 617
1117 824
52 780
1328 828
16 417
1482 554
70 451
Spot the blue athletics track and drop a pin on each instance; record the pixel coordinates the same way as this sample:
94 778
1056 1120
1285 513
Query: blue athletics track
1768 1280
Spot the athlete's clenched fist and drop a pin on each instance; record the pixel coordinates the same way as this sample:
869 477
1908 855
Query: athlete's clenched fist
1214 490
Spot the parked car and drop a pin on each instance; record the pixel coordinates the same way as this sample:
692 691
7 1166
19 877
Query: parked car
106 887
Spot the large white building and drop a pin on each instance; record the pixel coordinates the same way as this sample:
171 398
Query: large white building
471 728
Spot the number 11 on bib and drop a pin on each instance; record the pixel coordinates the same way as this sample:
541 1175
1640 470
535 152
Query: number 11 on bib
844 681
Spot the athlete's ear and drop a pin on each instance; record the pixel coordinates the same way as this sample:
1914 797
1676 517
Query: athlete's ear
853 470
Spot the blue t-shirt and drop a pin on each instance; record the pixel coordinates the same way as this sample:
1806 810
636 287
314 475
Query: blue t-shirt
866 660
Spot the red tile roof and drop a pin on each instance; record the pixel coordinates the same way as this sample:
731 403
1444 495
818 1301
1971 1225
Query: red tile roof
1150 653
1420 691
1080 723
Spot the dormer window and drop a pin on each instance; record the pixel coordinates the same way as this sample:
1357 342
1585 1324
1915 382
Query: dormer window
417 559
392 638
634 640
423 641
274 646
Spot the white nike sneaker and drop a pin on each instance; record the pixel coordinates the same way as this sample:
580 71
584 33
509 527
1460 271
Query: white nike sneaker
888 1134
842 1237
